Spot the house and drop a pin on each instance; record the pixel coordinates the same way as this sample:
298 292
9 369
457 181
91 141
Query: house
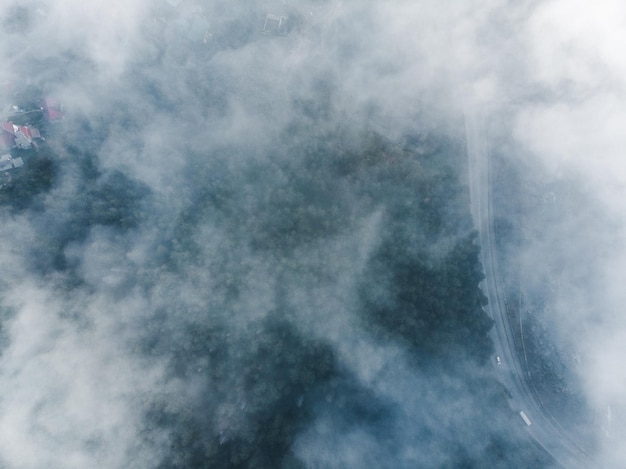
7 165
22 137
7 162
52 109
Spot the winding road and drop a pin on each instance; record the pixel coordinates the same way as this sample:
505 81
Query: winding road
543 428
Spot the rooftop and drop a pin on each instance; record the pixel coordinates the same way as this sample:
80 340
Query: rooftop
275 24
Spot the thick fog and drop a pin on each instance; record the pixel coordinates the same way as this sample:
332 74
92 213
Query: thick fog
187 259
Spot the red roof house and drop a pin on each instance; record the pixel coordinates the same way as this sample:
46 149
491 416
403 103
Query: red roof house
18 136
52 109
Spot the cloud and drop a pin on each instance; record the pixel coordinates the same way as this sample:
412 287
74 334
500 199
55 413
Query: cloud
205 209
569 134
74 385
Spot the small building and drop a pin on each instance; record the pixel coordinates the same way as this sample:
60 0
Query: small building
7 162
275 24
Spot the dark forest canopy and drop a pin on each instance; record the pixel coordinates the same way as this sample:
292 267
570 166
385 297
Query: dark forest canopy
419 290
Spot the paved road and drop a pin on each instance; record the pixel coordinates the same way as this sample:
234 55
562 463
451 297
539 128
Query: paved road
545 430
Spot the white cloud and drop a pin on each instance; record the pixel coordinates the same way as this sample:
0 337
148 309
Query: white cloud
76 395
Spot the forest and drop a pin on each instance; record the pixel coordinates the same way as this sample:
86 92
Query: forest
306 284
418 290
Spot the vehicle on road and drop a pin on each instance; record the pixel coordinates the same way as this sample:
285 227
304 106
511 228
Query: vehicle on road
525 418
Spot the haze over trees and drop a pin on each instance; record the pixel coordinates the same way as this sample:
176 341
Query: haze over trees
255 233
236 253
